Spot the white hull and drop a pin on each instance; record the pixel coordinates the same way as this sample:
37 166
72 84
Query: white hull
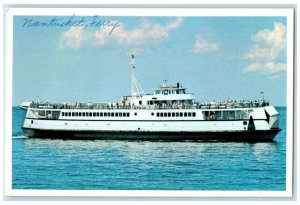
148 122
147 125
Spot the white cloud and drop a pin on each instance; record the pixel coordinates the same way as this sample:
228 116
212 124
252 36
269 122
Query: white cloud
265 52
144 34
258 53
269 67
275 38
73 38
203 46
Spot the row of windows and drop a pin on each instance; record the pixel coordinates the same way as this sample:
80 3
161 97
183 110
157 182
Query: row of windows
176 114
96 114
166 92
126 114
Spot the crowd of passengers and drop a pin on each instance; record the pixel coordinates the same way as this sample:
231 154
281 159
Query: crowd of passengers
181 105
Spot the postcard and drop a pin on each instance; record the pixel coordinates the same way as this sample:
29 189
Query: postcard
171 102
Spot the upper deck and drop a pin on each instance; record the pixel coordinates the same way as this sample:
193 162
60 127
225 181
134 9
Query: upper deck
182 105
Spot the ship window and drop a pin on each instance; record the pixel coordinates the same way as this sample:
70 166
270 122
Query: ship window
140 102
169 114
124 114
79 114
177 114
108 114
105 114
161 114
194 114
219 115
117 114
241 114
120 114
185 114
181 114
90 114
63 114
152 113
97 114
157 114
229 115
173 114
128 114
165 92
112 114
165 114
94 114
69 114
76 114
135 114
151 102
86 114
189 114
83 114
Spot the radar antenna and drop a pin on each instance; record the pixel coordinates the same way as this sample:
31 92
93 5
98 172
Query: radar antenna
136 89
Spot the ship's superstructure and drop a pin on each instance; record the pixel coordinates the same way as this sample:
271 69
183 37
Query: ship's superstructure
169 113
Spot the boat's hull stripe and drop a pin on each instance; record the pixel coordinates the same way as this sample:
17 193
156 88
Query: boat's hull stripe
162 120
247 135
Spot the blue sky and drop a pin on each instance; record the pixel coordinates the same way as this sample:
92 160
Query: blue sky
216 58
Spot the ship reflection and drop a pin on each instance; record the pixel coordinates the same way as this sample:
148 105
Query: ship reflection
156 149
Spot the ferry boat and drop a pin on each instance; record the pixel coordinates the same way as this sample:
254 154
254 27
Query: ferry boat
169 113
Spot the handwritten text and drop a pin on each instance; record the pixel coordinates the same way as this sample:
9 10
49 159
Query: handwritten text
72 21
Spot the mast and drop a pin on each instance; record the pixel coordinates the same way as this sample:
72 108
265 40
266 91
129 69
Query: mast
136 89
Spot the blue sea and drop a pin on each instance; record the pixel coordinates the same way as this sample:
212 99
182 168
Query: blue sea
146 165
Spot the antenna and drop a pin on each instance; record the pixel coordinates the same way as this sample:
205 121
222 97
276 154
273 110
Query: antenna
136 89
164 83
263 95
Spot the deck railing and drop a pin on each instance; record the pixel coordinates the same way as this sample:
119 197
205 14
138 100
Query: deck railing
113 106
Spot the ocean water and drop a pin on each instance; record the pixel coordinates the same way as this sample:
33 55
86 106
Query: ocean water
145 165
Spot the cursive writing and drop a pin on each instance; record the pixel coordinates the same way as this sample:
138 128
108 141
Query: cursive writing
72 21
